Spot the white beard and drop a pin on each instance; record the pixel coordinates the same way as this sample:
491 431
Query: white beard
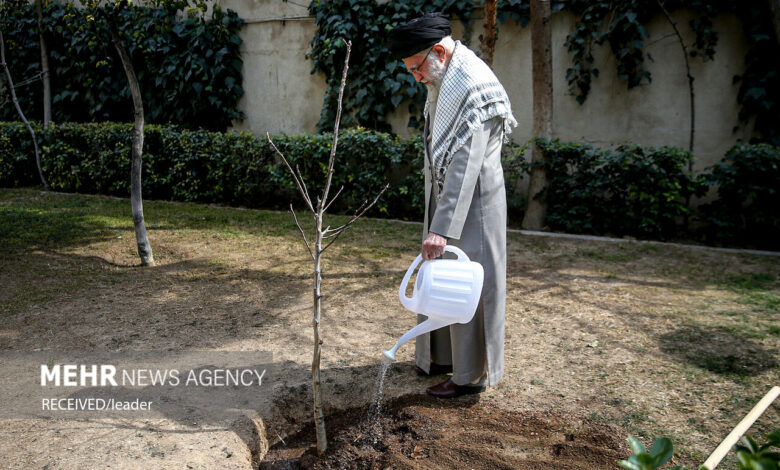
436 71
433 92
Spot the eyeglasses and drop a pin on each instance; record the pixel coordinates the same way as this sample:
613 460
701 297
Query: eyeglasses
416 68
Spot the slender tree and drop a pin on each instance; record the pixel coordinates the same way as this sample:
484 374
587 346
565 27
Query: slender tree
45 78
8 77
488 36
322 236
109 12
774 9
541 56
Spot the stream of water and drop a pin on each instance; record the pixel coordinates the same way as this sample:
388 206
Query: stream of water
375 410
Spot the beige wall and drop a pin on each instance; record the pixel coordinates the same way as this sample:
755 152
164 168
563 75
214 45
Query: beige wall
282 96
280 93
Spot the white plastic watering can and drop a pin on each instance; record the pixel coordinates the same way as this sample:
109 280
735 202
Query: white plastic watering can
447 291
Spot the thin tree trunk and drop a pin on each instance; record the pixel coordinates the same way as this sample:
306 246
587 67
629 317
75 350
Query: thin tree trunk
774 9
19 110
692 100
44 67
489 34
319 418
691 95
136 201
541 55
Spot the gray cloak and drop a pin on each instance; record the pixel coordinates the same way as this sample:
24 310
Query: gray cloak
471 214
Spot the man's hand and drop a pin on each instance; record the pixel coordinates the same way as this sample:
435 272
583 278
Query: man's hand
433 246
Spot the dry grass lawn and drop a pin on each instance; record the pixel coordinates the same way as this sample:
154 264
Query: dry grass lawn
653 340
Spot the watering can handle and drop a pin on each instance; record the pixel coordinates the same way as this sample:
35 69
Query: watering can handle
462 257
408 302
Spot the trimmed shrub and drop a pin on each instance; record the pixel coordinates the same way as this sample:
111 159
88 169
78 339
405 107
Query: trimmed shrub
631 190
746 210
628 191
235 168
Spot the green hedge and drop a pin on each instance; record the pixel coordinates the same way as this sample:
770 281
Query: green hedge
644 192
235 168
748 204
628 191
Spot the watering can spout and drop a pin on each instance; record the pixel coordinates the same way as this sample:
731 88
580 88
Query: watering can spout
422 328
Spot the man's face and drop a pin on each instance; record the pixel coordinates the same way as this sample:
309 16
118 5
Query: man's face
427 68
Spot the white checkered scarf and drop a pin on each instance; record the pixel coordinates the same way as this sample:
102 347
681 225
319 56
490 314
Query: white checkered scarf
470 95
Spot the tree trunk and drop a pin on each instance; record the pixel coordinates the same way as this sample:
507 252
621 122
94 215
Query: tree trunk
19 110
774 8
319 418
541 55
44 67
489 32
144 248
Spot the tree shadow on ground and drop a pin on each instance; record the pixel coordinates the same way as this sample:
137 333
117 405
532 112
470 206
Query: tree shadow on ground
87 301
718 351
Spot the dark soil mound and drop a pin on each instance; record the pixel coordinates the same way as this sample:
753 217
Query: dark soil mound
417 431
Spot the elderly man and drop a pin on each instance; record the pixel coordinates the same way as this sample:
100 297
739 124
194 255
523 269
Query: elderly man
467 116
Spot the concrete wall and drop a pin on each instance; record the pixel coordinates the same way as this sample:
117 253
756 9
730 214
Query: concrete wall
282 95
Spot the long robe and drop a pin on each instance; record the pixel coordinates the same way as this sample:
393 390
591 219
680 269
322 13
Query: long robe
471 213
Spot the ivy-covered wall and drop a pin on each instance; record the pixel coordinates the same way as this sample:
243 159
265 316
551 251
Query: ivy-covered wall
281 96
188 66
651 114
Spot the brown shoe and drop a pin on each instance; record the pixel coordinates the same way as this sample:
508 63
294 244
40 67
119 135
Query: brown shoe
449 389
435 369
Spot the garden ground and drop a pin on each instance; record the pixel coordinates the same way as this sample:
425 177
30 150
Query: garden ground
603 340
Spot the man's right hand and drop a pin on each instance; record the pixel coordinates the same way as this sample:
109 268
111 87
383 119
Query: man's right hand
433 246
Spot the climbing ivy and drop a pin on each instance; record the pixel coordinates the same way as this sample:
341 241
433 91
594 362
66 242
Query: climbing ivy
759 85
379 85
189 67
620 24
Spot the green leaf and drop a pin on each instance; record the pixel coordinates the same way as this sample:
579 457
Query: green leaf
662 450
647 461
629 465
750 443
636 445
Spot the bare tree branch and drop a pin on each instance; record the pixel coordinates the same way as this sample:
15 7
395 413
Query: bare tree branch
344 227
332 158
19 110
357 214
332 200
301 230
303 182
297 181
316 250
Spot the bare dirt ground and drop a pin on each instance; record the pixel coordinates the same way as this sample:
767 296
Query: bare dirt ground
603 340
418 431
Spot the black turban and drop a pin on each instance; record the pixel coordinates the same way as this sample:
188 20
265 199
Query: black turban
418 34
